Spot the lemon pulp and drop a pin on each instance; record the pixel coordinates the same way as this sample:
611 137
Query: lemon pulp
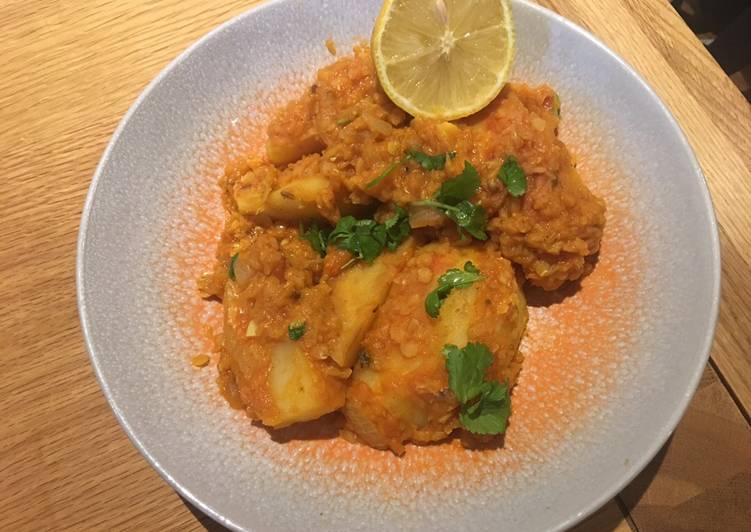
443 59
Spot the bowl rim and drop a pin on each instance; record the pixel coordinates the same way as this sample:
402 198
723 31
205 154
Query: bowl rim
635 466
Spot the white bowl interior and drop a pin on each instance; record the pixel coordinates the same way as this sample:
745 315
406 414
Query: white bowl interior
138 348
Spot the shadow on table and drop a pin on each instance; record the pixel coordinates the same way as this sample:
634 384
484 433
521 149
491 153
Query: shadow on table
632 494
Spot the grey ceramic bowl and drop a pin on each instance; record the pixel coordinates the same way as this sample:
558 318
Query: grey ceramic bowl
609 370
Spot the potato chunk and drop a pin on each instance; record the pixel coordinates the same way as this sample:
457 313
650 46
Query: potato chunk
301 192
299 391
399 391
278 282
298 193
299 200
285 151
275 378
357 294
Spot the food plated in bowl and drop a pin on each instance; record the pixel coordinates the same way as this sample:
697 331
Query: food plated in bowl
358 214
609 361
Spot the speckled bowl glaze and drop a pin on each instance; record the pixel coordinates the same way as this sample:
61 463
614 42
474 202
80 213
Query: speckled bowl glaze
609 367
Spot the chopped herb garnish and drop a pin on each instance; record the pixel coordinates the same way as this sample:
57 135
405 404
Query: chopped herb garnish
471 218
397 228
382 175
490 413
466 215
485 406
343 122
453 199
470 268
317 236
231 269
363 358
428 162
556 104
459 188
296 330
366 239
512 175
453 278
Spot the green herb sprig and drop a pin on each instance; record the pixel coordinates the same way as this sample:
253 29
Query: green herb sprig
428 162
485 406
453 200
295 331
390 168
512 175
397 228
231 268
365 239
318 237
453 278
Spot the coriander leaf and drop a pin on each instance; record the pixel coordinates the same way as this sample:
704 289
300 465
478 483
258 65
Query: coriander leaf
317 236
343 235
466 215
489 415
433 302
371 240
343 228
470 217
471 268
390 168
231 269
453 199
512 175
366 239
295 331
453 278
466 368
459 188
397 228
484 406
428 162
343 122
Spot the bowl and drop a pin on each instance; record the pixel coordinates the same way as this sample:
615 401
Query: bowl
610 364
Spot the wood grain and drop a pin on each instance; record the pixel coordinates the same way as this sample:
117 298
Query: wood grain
71 69
714 493
717 120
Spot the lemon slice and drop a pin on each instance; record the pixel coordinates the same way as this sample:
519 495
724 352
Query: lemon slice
443 59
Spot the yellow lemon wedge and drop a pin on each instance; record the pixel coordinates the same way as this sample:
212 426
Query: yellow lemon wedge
443 59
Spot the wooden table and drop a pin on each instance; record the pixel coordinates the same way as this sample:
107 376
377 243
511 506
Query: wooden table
70 70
